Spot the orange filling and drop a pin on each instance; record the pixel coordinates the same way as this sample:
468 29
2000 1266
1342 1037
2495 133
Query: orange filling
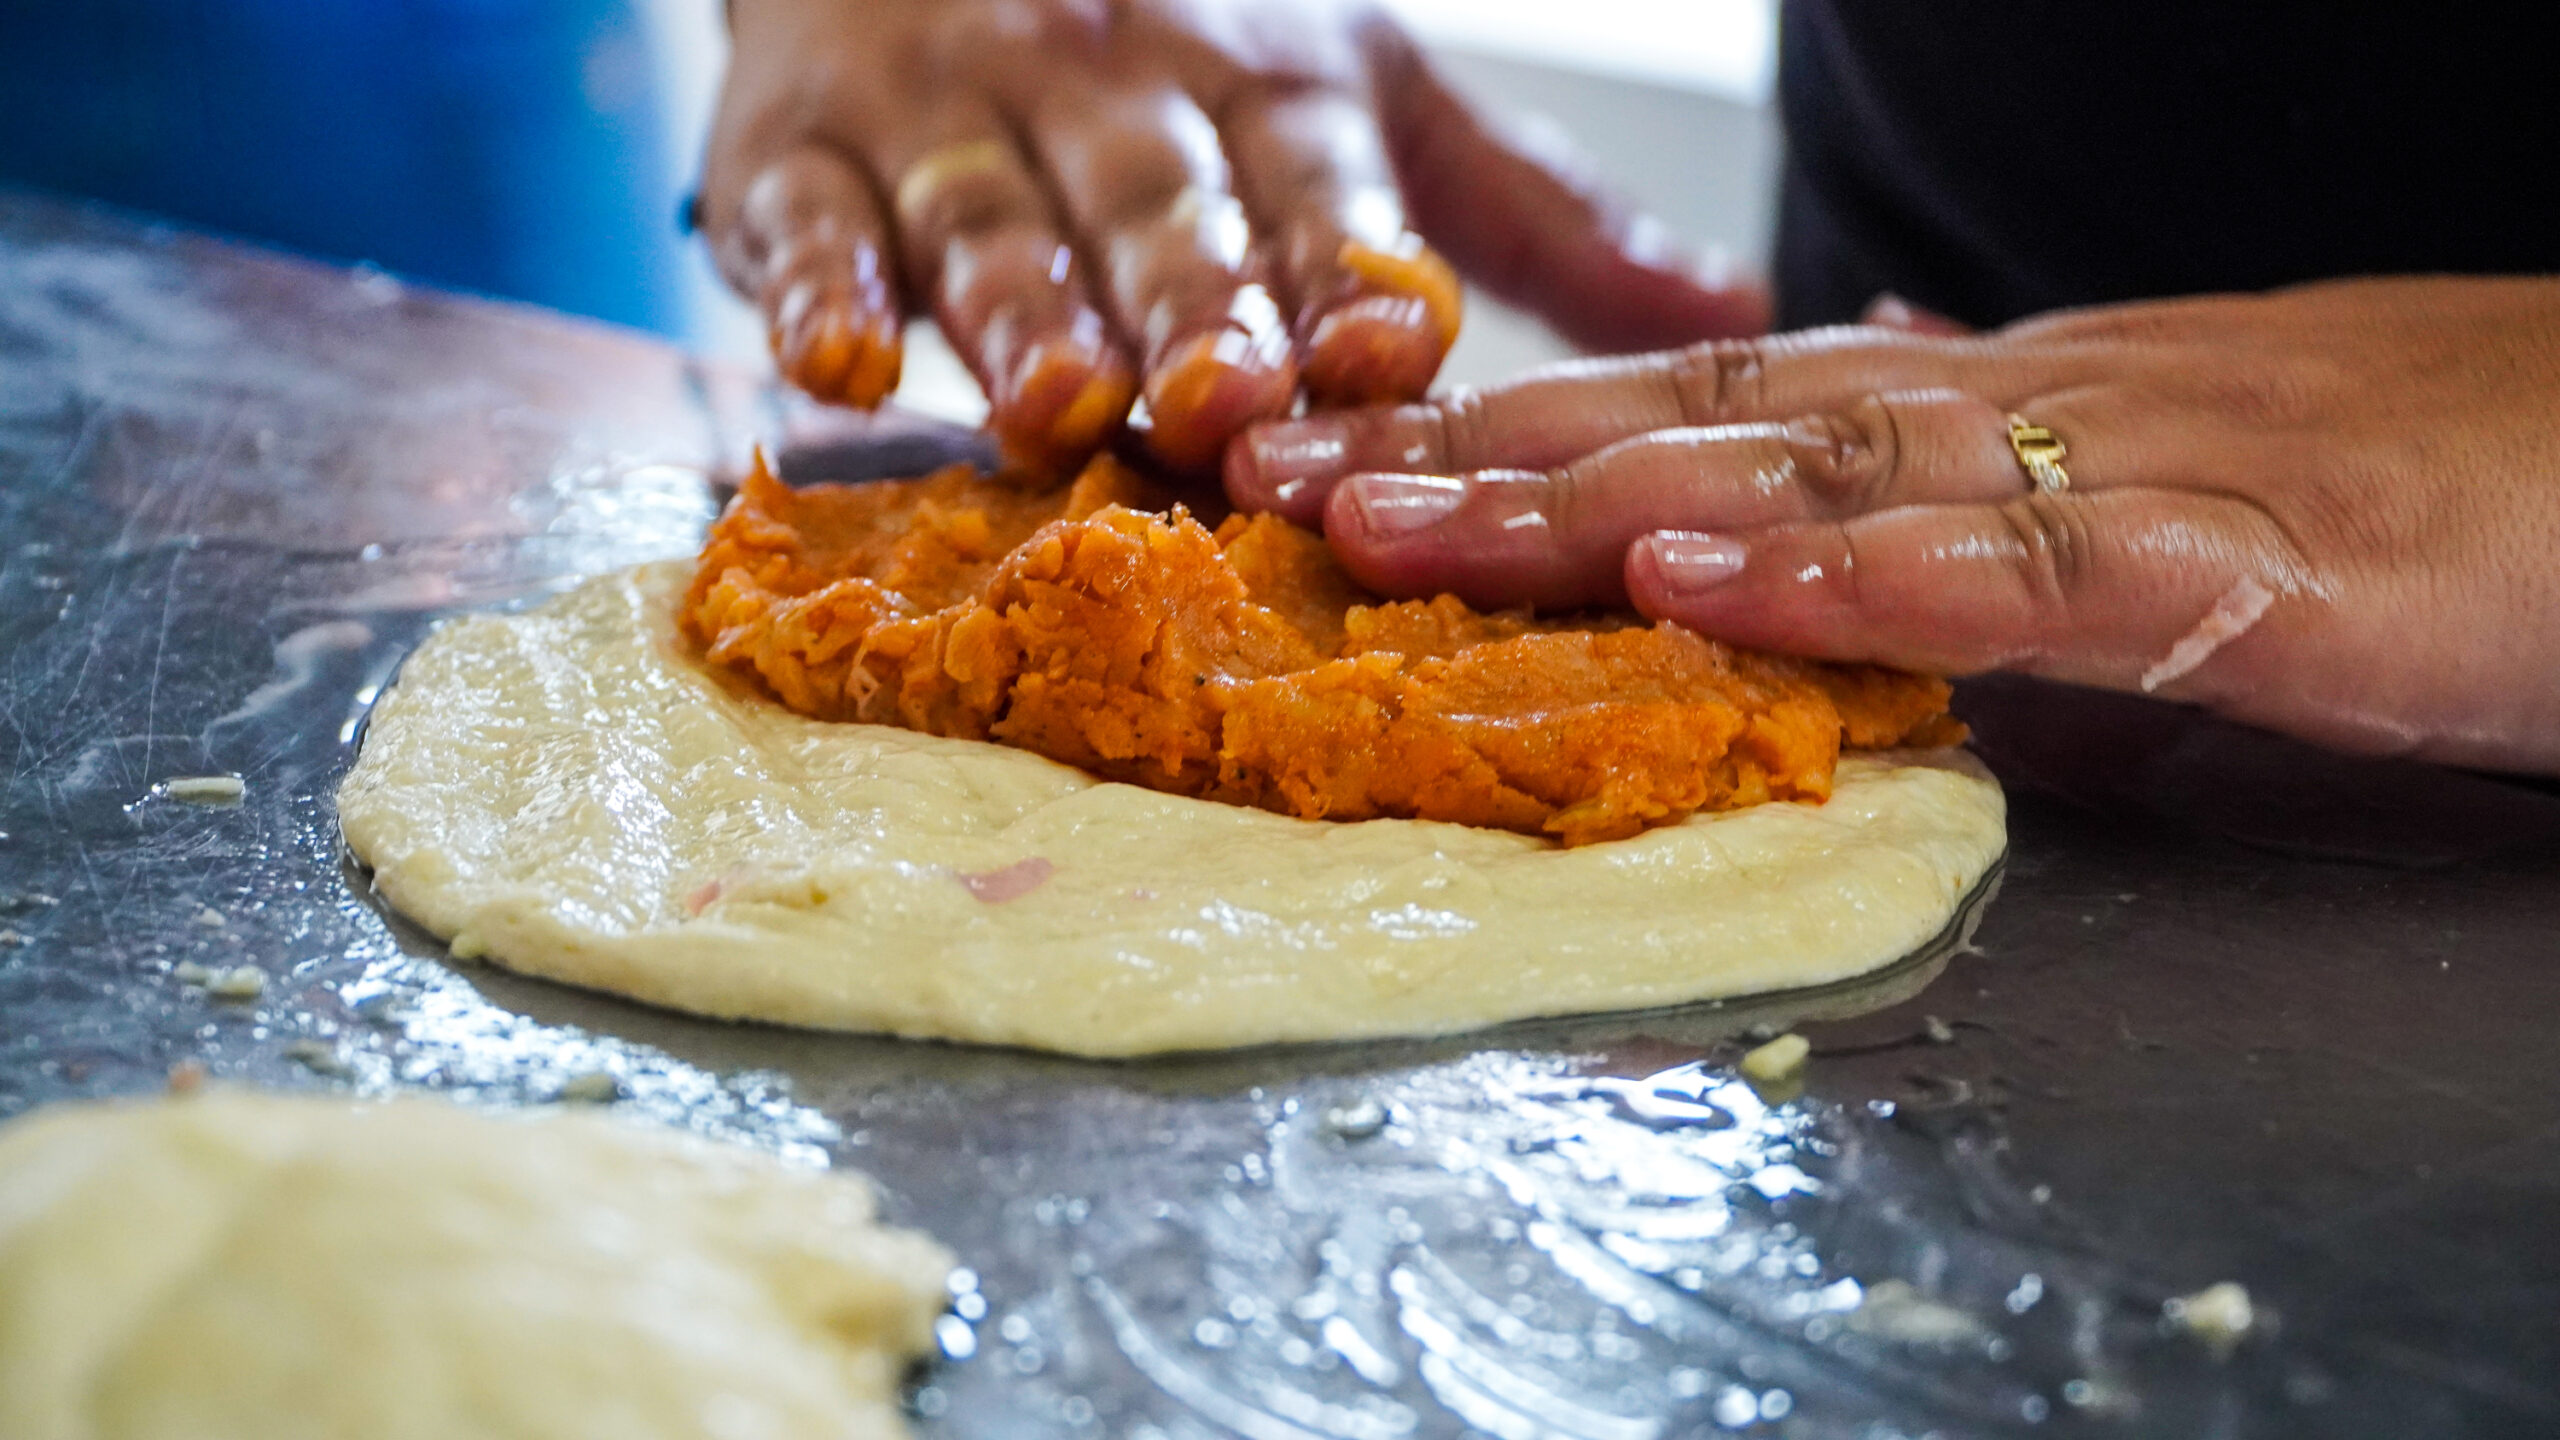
1243 666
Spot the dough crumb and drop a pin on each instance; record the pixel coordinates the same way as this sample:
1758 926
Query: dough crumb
205 789
11 939
1893 1310
317 1056
238 982
1010 882
594 1087
1358 1120
188 972
465 945
1776 1069
186 1077
1938 1031
211 919
2218 1316
2242 606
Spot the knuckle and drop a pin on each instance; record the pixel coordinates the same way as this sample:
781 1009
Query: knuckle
1845 460
1717 381
1458 425
2053 554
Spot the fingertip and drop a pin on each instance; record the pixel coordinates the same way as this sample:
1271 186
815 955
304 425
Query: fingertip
1385 340
818 349
1062 399
1209 388
879 359
1378 349
1892 312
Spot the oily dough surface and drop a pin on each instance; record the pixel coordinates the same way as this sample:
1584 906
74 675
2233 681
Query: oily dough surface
569 792
237 1266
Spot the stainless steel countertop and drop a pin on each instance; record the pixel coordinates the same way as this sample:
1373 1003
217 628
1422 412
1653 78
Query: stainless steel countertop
2241 1012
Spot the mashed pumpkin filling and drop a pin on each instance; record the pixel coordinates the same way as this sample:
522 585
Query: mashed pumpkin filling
1094 626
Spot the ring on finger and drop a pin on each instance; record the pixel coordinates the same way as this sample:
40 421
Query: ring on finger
2040 453
937 169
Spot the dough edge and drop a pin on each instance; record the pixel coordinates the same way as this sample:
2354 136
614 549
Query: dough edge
555 786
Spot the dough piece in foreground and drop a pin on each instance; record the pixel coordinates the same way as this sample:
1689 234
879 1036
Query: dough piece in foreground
235 1266
571 792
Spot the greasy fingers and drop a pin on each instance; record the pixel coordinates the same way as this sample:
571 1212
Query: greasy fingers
2098 589
1144 182
1554 414
1373 309
1008 291
808 242
1558 538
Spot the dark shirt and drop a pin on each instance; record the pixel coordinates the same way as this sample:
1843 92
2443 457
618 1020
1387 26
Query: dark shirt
1991 160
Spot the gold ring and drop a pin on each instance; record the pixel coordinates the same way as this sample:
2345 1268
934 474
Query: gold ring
933 173
2040 453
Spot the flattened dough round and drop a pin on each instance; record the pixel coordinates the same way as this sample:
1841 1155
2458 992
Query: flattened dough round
235 1266
567 792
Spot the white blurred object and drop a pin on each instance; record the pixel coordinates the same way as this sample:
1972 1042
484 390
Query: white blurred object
1725 48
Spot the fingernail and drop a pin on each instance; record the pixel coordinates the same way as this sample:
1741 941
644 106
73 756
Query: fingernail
1378 349
1689 562
1399 504
1211 388
1061 400
1888 309
1292 452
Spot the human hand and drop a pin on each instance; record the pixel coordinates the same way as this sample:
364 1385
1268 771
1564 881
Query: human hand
2329 511
1213 202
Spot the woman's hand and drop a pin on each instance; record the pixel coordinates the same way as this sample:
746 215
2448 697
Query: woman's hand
1213 203
2331 511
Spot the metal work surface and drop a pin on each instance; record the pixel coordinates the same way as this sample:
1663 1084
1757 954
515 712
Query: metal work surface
2240 1012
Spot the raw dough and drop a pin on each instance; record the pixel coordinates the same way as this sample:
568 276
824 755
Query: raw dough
569 793
269 1268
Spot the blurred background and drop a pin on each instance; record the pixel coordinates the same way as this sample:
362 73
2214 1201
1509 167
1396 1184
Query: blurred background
539 151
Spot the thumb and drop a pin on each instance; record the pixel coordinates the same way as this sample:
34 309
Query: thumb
1516 208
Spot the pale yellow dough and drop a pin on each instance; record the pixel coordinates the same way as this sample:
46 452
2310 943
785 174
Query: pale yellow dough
234 1266
567 792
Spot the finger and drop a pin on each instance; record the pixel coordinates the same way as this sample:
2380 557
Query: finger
2100 589
1373 309
1895 313
1144 183
806 241
1006 288
1558 539
1517 210
1550 416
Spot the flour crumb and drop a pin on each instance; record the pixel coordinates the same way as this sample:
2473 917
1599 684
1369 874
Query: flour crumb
594 1087
205 789
2242 606
2219 1316
1776 1069
239 982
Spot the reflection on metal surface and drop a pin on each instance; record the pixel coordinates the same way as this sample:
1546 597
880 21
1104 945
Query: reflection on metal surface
1534 1251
